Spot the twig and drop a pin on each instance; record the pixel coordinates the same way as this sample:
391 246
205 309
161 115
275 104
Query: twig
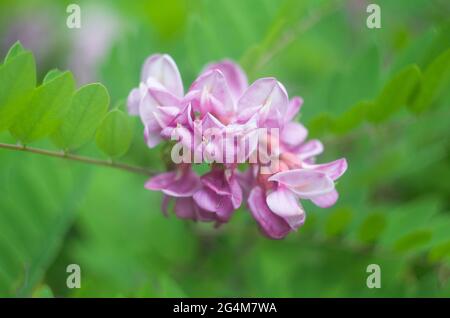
289 36
93 161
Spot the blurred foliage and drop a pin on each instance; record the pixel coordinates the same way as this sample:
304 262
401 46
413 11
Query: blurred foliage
379 97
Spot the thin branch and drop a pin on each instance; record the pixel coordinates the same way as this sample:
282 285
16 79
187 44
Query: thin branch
292 34
92 161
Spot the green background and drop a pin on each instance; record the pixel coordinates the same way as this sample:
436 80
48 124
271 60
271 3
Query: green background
379 97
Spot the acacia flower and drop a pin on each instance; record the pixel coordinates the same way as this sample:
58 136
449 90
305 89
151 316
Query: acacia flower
217 122
221 193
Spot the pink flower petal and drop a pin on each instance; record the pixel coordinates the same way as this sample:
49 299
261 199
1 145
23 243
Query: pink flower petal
162 97
183 119
209 200
310 149
133 100
270 97
271 224
160 181
184 208
151 136
305 183
293 108
326 200
234 76
293 135
225 209
216 181
165 204
245 115
181 135
153 113
175 183
205 216
236 192
210 122
213 95
162 68
285 204
333 169
247 179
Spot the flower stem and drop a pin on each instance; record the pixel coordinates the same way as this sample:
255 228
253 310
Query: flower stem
68 156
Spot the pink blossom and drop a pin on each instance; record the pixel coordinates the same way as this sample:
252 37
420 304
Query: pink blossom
180 186
186 208
220 193
180 183
281 203
210 94
235 77
271 224
158 99
218 118
266 97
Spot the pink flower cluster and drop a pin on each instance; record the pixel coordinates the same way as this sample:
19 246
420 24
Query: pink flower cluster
221 98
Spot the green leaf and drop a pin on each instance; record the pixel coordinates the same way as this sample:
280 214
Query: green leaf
416 51
46 110
43 291
352 118
439 252
338 221
169 287
89 106
39 206
320 125
409 218
434 81
440 43
14 51
121 104
52 74
114 134
395 94
372 227
413 240
17 82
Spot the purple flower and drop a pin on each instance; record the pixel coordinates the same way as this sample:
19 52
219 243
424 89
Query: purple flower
266 97
234 76
220 193
158 99
281 203
180 183
180 186
217 122
271 224
209 94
